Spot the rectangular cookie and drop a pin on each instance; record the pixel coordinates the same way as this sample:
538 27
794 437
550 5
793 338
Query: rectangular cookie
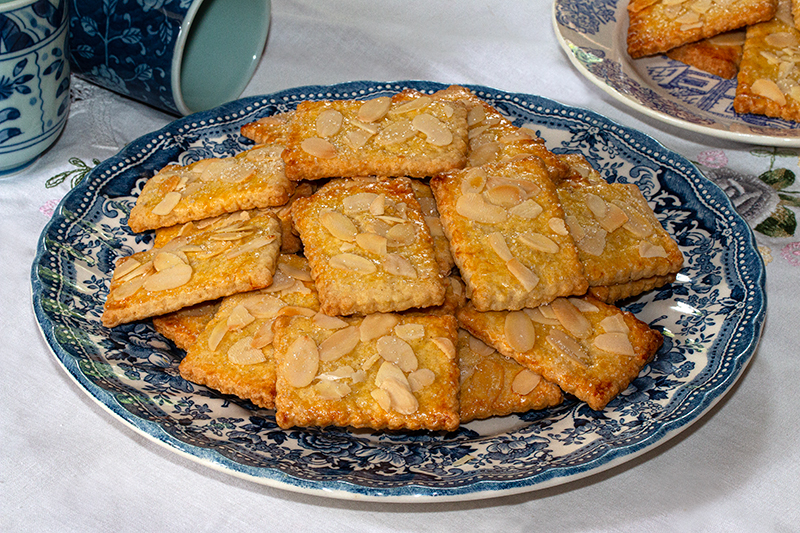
211 187
495 385
398 136
719 55
590 349
234 353
383 371
619 238
193 269
494 139
656 26
273 129
507 234
368 246
614 293
769 79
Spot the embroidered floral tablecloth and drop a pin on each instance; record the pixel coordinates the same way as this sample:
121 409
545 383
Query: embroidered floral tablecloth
69 465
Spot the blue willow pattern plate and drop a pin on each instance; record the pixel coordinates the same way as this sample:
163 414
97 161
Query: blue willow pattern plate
594 35
711 319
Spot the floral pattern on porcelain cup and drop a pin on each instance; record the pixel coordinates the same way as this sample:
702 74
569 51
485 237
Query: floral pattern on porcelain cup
34 80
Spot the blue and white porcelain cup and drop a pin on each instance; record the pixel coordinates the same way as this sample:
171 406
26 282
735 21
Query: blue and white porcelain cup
34 79
181 56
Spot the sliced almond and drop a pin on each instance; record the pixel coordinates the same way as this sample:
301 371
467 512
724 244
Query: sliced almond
382 398
446 346
571 319
377 325
596 205
264 335
638 225
558 226
615 342
126 266
649 250
389 370
357 138
397 265
400 235
527 209
409 332
539 242
216 335
525 381
378 205
358 202
128 288
568 347
375 109
524 275
239 318
329 322
420 378
302 362
295 272
402 399
474 207
352 262
539 317
372 243
479 347
593 243
242 353
435 131
519 331
395 132
251 246
476 115
615 218
331 390
395 350
338 225
340 343
498 243
329 122
485 153
768 89
264 305
474 181
167 204
169 278
614 324
505 195
413 105
583 306
318 147
781 40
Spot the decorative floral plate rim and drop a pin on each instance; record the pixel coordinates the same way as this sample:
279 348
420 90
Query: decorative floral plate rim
593 34
711 319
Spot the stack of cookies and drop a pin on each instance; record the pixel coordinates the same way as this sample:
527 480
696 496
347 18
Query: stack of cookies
406 262
756 41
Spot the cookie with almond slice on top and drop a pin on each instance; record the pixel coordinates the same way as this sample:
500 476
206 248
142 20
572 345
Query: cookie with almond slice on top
208 188
234 354
507 234
193 269
590 349
369 247
382 371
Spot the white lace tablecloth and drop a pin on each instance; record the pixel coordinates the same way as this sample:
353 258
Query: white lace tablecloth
67 465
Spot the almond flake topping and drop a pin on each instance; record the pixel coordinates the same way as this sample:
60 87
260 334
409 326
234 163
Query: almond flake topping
329 322
435 130
638 225
539 317
614 324
519 331
768 89
128 287
338 344
167 204
317 147
402 399
239 318
558 226
357 138
358 202
395 132
525 381
484 153
375 109
126 266
505 195
479 347
615 342
474 181
498 243
216 335
527 209
649 250
329 122
395 350
615 217
523 274
302 362
476 115
474 207
352 262
583 306
409 332
264 335
372 243
397 265
568 347
539 242
331 390
413 105
377 325
571 319
338 225
169 278
421 378
295 272
242 353
445 345
382 398
402 234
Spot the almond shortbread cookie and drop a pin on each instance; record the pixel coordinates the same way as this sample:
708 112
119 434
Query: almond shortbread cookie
590 349
399 136
212 187
369 247
234 353
273 129
660 25
507 235
769 78
193 269
614 293
383 371
619 238
495 385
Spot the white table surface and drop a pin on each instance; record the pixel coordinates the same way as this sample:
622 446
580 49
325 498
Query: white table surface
68 465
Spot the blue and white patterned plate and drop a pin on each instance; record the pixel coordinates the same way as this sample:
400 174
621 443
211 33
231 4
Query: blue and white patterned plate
594 35
711 319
